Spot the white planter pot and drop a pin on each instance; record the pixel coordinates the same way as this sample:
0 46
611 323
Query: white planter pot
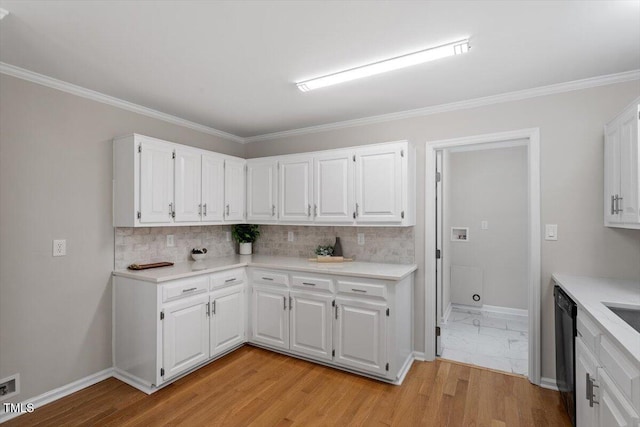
245 248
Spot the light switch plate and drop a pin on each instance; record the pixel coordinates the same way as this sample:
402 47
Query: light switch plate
551 232
484 225
361 239
170 242
290 236
228 236
59 247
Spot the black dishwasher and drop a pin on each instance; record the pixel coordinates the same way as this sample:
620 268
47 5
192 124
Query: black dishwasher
565 312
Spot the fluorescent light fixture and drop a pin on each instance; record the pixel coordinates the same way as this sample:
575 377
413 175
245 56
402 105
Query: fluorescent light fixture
449 49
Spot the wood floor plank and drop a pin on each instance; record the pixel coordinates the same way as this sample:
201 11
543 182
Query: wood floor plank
252 386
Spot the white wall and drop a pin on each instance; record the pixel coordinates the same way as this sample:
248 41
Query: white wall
571 138
490 185
55 183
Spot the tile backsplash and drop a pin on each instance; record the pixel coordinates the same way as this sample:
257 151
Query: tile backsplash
381 244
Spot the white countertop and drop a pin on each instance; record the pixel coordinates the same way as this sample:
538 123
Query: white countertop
592 293
181 270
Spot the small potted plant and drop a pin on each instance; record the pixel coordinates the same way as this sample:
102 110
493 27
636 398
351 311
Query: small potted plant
324 251
198 254
245 235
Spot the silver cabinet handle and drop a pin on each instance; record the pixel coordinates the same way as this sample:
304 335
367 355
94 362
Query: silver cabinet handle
284 303
308 284
188 290
336 311
273 210
227 210
214 306
200 209
613 205
207 309
171 214
308 210
267 278
357 210
204 207
618 207
233 279
590 385
290 303
359 290
315 211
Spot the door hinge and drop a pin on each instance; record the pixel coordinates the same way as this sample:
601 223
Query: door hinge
438 176
162 372
333 353
402 214
140 148
139 215
401 153
437 253
387 312
173 156
437 331
386 368
162 315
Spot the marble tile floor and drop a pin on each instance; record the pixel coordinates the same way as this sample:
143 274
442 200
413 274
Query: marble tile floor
491 340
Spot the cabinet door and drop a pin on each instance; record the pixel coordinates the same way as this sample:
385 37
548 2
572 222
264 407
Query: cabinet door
629 162
212 188
156 182
586 414
295 189
270 317
611 174
614 410
185 335
333 187
227 319
361 335
379 184
262 191
234 189
311 324
188 179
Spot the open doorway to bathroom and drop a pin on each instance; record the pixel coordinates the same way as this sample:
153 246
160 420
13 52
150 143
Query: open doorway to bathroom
482 225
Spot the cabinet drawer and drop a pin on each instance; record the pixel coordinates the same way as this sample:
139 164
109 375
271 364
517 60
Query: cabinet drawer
623 372
312 283
226 278
362 289
185 288
589 332
270 277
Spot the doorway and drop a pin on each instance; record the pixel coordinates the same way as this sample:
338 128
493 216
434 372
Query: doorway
473 282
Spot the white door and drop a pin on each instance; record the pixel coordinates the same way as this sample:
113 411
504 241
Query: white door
212 188
227 319
311 324
295 189
185 335
379 184
611 174
586 364
262 191
628 204
361 335
234 190
270 317
614 410
333 187
188 179
156 182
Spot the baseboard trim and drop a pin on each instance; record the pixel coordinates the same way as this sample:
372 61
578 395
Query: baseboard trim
493 309
549 383
420 356
447 313
60 392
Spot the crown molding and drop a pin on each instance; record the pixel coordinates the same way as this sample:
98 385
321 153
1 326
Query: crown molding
51 82
460 105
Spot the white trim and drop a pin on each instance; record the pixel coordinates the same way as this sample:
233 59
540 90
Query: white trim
419 356
533 146
493 309
548 383
134 381
60 392
21 73
447 313
461 105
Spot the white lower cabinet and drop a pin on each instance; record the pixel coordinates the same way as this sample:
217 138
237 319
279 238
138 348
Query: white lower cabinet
311 324
270 317
614 410
227 313
586 375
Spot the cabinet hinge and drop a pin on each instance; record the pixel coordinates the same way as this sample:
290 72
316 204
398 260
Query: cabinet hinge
333 353
333 303
437 253
401 153
139 215
354 157
387 312
140 148
438 176
437 331
173 156
162 315
402 214
386 368
162 372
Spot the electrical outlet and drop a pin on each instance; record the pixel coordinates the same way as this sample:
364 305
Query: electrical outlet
484 225
290 236
170 242
9 386
361 239
59 247
551 232
228 236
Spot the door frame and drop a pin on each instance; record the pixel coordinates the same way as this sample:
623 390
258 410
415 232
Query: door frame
532 136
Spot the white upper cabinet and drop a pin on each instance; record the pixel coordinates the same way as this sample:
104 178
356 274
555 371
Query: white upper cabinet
296 189
262 190
234 190
622 162
156 182
212 188
333 186
188 185
379 184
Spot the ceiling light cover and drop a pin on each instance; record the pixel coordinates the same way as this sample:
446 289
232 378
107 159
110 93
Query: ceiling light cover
449 49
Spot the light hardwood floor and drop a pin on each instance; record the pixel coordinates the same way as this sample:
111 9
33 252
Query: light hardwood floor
257 387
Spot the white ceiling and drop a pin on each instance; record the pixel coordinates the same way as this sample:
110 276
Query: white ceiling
232 65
